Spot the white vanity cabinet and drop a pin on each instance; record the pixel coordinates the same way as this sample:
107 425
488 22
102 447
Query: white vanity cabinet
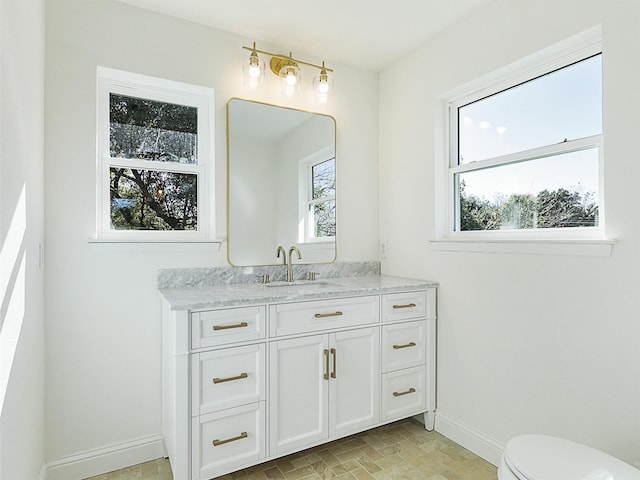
408 355
249 381
322 386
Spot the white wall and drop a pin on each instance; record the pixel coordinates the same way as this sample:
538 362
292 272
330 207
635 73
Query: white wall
255 239
103 311
21 233
526 343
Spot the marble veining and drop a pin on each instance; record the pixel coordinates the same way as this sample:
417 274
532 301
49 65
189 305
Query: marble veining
208 277
221 295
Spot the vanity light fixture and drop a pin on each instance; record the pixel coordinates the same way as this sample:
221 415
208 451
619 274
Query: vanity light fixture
322 85
288 69
253 69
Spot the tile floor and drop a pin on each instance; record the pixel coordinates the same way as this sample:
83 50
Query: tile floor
402 450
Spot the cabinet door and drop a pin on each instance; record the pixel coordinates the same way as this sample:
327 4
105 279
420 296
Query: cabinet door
354 384
298 392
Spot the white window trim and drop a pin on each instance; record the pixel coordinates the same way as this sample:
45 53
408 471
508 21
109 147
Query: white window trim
304 183
576 241
143 86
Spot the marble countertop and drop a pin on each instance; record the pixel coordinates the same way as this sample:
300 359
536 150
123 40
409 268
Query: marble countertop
199 298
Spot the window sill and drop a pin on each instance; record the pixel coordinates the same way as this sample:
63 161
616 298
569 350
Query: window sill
154 240
158 246
587 247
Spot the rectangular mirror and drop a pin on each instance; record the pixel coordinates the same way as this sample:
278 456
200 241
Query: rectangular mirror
281 184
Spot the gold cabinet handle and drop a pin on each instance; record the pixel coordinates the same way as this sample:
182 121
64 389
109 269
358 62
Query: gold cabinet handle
324 315
399 394
226 327
408 305
410 344
335 362
230 379
217 443
326 364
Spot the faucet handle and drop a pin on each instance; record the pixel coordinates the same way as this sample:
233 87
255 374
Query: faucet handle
264 278
312 276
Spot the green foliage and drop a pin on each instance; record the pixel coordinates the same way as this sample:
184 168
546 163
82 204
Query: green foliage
324 186
150 130
153 200
559 208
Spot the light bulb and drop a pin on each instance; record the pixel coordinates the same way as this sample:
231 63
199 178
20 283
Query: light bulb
290 79
254 71
323 87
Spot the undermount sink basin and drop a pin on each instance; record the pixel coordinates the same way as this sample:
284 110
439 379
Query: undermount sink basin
299 283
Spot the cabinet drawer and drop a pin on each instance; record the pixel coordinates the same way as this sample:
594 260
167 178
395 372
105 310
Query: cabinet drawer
403 393
301 317
403 306
228 439
217 327
227 378
403 345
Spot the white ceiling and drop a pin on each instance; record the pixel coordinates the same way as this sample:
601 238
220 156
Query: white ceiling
368 34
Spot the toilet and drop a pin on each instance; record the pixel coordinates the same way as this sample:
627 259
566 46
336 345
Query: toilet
542 457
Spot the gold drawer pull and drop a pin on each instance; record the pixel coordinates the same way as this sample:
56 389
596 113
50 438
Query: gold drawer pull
225 327
410 344
335 362
408 305
324 315
399 394
217 443
326 364
230 379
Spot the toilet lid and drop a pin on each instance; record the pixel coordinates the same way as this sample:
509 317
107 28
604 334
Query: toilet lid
541 457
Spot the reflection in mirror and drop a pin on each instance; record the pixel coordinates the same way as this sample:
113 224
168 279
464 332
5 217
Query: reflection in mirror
281 183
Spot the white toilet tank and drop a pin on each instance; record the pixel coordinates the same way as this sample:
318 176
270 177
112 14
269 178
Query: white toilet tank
542 457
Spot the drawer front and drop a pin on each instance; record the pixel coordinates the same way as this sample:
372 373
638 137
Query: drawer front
225 440
404 306
302 317
227 378
403 393
218 327
403 345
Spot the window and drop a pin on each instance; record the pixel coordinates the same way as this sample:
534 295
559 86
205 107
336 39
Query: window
318 208
154 158
525 153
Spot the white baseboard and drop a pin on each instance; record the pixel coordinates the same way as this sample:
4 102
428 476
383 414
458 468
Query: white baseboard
42 475
102 460
470 438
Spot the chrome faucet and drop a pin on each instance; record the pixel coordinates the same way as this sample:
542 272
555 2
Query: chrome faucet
289 264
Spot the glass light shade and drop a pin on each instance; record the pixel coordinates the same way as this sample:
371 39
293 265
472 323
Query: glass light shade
253 71
323 86
290 78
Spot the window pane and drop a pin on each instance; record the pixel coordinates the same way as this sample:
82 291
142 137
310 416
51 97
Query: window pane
553 192
323 179
565 104
153 200
150 130
324 219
